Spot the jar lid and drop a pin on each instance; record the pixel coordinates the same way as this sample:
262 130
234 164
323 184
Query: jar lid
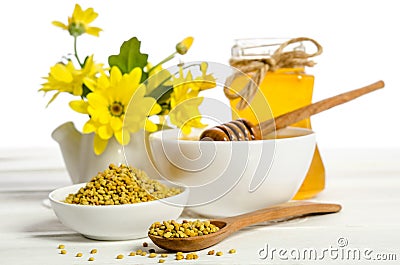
260 48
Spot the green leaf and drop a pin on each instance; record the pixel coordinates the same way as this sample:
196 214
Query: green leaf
129 57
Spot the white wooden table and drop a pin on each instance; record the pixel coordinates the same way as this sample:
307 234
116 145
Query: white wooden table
367 230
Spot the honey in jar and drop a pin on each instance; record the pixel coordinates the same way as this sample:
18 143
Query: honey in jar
280 90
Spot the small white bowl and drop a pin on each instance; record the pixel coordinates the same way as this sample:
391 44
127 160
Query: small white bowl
231 178
115 222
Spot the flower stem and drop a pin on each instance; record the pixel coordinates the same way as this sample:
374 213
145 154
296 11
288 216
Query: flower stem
76 51
163 61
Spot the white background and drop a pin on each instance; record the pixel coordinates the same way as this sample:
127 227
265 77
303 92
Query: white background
360 40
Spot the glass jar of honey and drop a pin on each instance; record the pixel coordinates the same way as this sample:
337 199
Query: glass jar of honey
277 67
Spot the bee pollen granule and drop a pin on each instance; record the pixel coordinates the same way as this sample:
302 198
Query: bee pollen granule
121 185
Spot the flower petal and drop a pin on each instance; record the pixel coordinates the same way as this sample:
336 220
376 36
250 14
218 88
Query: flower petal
90 83
61 73
79 106
123 137
53 98
186 129
105 132
99 145
116 123
135 75
89 15
59 24
115 76
93 31
97 100
156 108
89 127
138 95
150 126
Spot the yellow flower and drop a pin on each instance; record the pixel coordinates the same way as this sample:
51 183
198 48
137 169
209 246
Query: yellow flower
185 103
78 24
66 78
183 46
108 104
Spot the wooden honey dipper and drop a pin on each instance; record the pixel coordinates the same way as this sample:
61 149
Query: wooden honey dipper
244 130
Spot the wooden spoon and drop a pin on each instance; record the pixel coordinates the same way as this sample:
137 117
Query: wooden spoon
232 224
243 130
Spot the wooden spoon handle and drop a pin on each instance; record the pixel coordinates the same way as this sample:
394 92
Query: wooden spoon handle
297 115
281 211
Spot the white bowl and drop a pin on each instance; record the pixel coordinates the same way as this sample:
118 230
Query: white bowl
115 222
231 178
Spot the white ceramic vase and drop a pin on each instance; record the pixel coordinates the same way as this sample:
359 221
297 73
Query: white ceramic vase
82 163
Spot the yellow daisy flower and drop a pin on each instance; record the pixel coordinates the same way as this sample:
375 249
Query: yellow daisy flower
185 103
66 78
108 104
78 24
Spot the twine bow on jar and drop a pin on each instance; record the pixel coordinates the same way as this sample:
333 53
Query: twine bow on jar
257 69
